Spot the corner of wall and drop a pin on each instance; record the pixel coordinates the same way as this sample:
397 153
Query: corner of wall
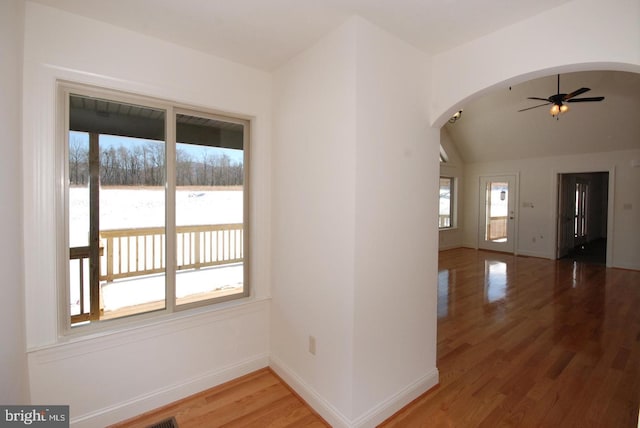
13 370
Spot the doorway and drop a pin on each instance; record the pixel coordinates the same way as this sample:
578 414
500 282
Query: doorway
496 229
583 200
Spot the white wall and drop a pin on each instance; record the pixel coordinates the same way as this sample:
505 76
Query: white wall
575 36
13 367
397 167
353 238
117 374
452 238
313 222
538 185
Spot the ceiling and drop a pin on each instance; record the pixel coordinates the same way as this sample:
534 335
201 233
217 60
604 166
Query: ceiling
491 128
266 33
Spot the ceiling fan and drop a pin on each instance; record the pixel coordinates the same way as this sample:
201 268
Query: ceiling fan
558 101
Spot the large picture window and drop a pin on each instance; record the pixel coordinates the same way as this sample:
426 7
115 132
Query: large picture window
156 206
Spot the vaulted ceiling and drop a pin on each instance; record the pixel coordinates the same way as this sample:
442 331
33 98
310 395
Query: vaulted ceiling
491 127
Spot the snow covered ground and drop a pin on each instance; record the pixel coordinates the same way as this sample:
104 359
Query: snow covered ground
151 288
123 208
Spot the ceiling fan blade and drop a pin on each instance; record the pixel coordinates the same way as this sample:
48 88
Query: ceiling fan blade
525 109
582 100
541 99
575 93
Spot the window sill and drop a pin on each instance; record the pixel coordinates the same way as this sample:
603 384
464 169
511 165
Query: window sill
128 331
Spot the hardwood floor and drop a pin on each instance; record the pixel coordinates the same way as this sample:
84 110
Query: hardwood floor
528 342
259 399
522 342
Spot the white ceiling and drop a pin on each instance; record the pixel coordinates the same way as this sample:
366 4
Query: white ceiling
491 128
266 33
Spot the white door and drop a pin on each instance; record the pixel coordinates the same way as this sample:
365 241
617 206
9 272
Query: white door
496 229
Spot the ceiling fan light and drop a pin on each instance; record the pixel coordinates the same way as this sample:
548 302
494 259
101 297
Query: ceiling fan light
564 108
455 117
555 110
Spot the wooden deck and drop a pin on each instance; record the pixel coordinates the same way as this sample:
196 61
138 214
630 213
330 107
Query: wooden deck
522 342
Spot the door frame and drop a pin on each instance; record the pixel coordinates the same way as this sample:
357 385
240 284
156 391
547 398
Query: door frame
555 192
565 223
481 206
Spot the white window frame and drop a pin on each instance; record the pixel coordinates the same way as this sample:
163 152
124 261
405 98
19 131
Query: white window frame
452 202
64 90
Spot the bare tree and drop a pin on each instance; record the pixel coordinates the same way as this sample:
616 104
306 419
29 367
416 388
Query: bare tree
78 161
144 164
184 168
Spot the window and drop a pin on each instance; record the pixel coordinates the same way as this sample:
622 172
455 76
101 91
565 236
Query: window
445 217
156 206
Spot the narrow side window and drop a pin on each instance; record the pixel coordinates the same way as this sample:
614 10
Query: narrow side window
445 217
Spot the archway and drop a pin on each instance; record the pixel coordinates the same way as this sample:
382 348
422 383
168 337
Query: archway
587 129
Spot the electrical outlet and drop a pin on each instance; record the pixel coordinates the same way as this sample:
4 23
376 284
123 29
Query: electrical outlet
312 345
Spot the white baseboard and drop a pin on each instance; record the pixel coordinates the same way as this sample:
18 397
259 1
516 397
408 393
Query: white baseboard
373 417
449 246
144 403
393 404
539 255
308 394
627 266
472 245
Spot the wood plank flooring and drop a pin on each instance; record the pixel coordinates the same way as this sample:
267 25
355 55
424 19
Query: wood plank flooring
528 342
260 399
522 342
